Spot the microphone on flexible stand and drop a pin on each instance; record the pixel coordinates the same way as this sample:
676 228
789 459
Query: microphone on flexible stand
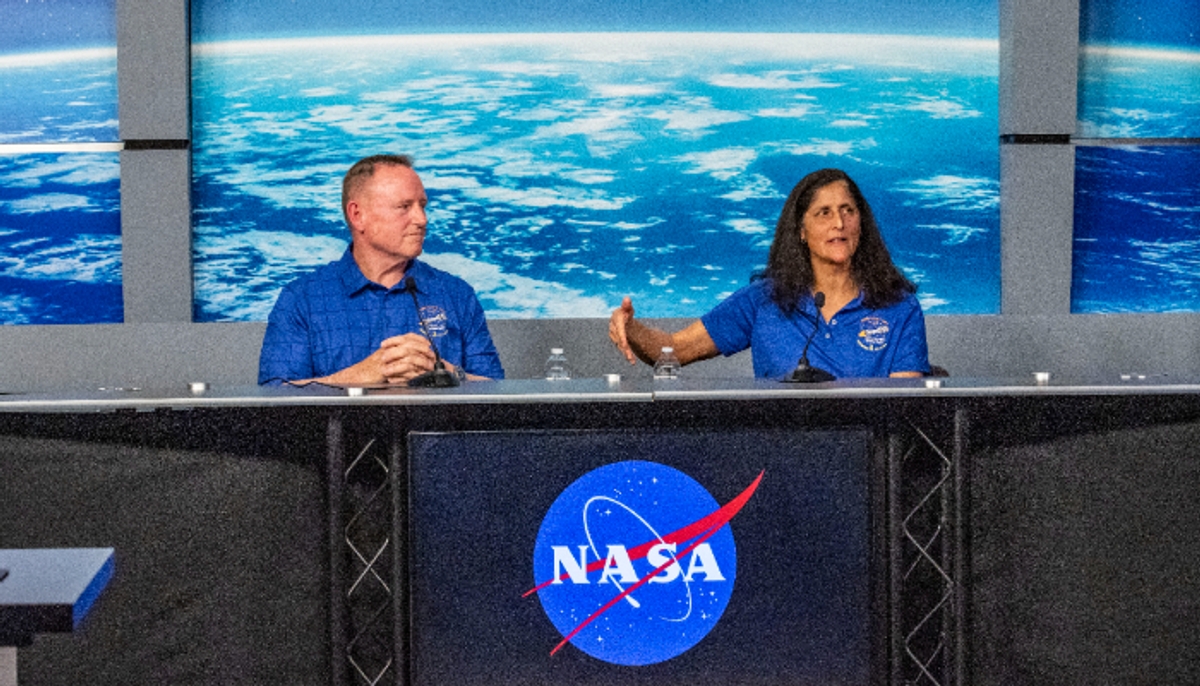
439 376
804 372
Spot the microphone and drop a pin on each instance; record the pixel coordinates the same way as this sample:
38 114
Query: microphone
804 372
439 376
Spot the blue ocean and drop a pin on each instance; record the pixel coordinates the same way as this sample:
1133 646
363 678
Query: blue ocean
60 213
1139 92
1137 229
568 170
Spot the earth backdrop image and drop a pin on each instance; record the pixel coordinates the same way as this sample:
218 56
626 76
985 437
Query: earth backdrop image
568 170
60 212
579 152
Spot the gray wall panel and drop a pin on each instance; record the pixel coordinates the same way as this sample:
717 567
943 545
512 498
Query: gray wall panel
154 63
1037 213
170 356
154 89
1078 346
160 356
1039 47
156 235
524 346
1086 347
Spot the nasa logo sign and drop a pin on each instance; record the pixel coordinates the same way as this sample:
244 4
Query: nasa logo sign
635 562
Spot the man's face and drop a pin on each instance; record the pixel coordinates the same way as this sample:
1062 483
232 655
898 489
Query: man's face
387 216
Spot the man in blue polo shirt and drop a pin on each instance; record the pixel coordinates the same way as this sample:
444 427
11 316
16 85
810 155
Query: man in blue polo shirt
356 321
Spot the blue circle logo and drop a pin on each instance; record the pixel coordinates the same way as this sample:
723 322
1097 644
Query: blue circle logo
635 562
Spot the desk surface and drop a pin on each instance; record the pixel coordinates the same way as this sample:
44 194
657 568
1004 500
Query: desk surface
615 390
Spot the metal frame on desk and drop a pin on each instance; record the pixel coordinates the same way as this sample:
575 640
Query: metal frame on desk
923 505
927 529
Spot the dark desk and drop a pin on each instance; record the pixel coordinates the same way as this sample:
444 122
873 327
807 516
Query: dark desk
1032 533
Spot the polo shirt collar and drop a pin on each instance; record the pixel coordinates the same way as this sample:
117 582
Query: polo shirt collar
352 279
421 275
810 307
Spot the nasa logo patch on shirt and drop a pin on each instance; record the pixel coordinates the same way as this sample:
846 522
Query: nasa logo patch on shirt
874 333
436 320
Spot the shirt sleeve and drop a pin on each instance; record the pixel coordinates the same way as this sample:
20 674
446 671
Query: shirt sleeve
731 323
912 348
479 352
285 354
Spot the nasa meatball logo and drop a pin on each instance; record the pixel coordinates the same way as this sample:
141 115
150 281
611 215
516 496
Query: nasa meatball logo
635 562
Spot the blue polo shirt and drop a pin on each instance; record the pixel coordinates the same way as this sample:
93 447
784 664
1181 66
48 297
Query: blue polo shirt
857 342
334 317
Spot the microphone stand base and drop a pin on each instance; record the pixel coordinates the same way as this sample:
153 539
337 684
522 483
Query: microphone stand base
806 374
439 377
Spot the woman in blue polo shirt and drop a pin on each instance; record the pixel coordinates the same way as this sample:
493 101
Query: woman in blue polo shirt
827 249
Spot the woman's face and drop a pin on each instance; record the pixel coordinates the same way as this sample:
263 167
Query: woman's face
831 225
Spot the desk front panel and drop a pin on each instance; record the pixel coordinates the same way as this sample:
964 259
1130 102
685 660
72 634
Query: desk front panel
793 603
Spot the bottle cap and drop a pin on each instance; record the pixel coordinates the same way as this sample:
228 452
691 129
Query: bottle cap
556 351
668 349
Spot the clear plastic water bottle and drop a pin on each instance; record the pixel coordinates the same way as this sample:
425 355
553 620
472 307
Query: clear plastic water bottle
556 365
667 366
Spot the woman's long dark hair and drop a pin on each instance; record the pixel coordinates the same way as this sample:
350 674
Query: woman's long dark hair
789 264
